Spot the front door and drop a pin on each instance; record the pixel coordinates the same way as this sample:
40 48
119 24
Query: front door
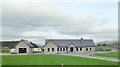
71 49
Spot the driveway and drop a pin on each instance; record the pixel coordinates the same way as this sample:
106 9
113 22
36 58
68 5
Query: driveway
90 55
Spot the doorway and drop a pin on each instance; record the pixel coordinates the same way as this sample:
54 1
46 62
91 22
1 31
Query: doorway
22 50
71 49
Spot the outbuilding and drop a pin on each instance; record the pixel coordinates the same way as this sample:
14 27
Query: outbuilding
24 46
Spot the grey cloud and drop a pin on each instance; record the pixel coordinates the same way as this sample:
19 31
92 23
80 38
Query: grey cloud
105 37
19 18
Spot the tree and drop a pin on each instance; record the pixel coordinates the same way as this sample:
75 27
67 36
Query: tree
98 45
104 44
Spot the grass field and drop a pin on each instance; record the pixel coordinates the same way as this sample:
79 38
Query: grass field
52 60
112 54
0 60
103 48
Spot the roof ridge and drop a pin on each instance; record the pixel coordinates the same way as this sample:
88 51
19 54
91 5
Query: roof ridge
69 39
76 42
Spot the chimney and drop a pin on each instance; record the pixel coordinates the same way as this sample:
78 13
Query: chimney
81 38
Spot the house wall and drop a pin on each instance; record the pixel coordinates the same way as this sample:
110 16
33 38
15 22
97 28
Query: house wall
84 50
64 50
50 45
73 48
93 49
36 49
22 44
80 51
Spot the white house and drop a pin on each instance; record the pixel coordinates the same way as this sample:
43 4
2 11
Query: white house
24 46
57 46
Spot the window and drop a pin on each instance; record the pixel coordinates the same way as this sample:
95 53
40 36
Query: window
63 49
60 49
76 49
52 49
48 49
80 49
86 49
90 49
57 49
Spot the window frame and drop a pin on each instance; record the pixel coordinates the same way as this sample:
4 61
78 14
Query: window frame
80 48
63 49
76 48
57 49
48 49
52 49
60 49
86 49
90 48
66 49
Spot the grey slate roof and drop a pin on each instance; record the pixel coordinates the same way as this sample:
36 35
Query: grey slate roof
28 43
76 42
12 44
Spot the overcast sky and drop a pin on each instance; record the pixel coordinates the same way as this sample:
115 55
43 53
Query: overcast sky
39 20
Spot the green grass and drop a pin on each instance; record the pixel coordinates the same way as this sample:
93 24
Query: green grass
112 54
52 60
0 60
103 48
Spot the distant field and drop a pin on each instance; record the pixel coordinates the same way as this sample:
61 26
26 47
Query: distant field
103 48
52 60
112 54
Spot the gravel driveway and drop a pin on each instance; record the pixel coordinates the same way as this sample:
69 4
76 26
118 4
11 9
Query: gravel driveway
90 55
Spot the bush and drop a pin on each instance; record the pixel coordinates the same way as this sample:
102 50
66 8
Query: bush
104 45
5 50
103 48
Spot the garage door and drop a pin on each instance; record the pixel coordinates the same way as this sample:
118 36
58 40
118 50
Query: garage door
22 50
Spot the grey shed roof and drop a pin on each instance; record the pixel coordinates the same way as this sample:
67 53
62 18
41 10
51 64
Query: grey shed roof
12 44
76 42
30 44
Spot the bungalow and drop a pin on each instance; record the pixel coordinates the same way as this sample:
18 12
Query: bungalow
22 46
58 46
